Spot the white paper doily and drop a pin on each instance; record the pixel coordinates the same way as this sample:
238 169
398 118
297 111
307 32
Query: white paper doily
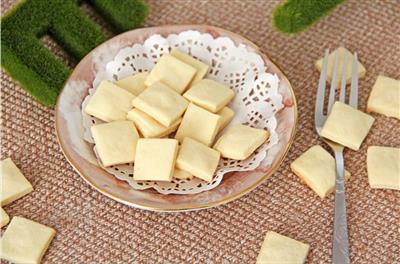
256 102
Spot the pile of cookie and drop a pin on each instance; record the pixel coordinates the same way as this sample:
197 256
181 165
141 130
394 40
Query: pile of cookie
167 121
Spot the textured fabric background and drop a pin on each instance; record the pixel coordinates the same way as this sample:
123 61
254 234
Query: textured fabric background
92 228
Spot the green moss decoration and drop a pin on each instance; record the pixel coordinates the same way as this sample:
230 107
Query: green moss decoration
295 15
122 15
38 70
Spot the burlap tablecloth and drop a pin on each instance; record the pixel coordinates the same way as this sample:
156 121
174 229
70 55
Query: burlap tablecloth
92 228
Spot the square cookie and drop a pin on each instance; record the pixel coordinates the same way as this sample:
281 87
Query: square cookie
148 126
240 141
161 103
172 72
197 159
4 217
155 159
25 241
317 168
198 124
201 68
383 165
13 183
331 62
227 115
115 142
109 102
209 94
347 126
385 97
134 84
282 249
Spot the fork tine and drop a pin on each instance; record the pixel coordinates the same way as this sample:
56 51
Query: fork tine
319 100
353 101
343 84
333 83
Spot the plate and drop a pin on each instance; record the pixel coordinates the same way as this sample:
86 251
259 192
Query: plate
79 153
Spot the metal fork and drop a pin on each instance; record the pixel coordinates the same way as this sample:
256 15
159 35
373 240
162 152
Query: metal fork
340 234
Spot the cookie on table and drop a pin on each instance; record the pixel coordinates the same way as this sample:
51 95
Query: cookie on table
347 126
13 183
4 218
198 124
134 84
277 249
161 103
115 142
383 165
385 97
172 72
197 159
148 126
155 159
109 102
25 241
317 168
239 141
348 69
201 68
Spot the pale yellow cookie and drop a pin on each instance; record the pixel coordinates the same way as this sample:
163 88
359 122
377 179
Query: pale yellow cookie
317 168
4 218
172 72
25 241
279 249
13 183
383 164
227 115
385 97
201 68
331 61
134 84
183 175
115 142
161 103
197 159
347 126
198 124
209 94
148 126
240 141
109 102
155 159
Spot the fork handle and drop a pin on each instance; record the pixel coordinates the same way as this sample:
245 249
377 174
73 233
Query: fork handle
340 234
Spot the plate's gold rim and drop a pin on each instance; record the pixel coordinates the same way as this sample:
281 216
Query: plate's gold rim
201 206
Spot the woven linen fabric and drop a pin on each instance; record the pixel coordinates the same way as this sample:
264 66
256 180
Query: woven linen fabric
92 228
